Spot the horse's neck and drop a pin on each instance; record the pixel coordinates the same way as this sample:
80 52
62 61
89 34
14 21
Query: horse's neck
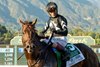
37 41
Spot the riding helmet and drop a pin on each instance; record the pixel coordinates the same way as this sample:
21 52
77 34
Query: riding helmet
51 7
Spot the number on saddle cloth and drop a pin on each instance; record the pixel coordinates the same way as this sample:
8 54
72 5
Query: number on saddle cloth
73 51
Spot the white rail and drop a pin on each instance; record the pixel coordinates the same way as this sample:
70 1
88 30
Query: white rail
13 66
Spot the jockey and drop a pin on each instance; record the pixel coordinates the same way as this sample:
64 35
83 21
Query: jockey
58 25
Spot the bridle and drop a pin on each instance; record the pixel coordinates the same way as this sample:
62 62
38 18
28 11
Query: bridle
33 37
32 40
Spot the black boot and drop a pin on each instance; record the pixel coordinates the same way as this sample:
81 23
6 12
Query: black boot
66 55
64 51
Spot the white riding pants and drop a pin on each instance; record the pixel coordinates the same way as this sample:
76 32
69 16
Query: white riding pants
61 40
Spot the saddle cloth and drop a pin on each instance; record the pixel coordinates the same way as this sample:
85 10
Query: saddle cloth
76 55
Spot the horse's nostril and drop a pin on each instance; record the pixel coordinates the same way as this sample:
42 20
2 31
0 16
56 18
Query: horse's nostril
33 47
30 51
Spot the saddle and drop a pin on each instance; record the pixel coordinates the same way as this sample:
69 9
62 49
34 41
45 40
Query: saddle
75 55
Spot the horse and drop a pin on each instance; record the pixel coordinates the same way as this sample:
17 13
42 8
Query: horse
33 46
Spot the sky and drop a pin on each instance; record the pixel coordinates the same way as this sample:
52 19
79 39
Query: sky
95 2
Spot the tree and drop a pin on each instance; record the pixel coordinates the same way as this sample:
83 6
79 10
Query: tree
5 35
97 38
3 29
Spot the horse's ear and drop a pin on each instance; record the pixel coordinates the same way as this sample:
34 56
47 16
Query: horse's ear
21 21
34 22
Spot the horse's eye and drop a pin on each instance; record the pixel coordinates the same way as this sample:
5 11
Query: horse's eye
27 47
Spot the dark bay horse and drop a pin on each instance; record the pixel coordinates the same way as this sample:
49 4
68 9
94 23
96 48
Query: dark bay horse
32 45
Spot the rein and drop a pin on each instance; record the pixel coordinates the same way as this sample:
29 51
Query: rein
33 41
44 50
36 62
20 56
25 47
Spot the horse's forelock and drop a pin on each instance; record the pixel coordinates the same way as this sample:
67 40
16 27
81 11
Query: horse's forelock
27 22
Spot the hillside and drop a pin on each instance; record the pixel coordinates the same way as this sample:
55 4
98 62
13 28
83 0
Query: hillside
84 14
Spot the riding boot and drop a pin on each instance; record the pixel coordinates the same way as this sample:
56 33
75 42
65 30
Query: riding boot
64 51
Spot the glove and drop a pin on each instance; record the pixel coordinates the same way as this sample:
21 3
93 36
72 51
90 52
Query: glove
46 37
53 30
42 34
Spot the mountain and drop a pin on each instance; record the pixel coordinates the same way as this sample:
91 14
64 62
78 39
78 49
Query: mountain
84 14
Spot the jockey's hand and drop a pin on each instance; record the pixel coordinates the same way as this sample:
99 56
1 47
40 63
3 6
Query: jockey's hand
46 37
53 30
41 34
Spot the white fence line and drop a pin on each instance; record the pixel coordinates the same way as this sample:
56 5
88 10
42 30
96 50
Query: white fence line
13 66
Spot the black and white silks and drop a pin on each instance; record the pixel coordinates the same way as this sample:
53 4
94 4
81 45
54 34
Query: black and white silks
58 25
